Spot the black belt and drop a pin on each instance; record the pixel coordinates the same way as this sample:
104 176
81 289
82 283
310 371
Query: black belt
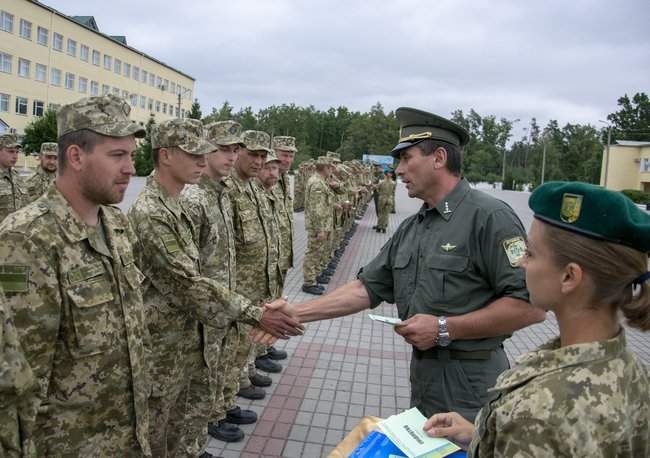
446 353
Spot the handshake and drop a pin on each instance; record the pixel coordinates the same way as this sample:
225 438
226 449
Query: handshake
279 321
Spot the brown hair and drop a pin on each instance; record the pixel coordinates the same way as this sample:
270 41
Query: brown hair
85 139
454 153
612 267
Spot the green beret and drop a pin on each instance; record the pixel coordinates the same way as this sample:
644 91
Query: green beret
416 126
592 211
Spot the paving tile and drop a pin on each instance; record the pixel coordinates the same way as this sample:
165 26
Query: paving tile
316 435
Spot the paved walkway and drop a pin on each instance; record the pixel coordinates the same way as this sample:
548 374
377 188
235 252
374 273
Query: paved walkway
343 369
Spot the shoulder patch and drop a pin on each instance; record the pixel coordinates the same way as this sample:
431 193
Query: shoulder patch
170 242
515 249
14 278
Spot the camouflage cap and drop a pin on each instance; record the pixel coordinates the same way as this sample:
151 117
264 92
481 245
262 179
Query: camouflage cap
8 141
186 134
334 157
106 115
323 160
256 140
50 149
284 143
224 133
271 157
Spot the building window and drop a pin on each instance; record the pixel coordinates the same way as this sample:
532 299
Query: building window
42 36
83 53
127 70
23 67
6 22
166 84
72 48
41 73
55 77
95 57
83 85
106 89
164 108
21 105
143 102
172 89
178 112
150 105
25 29
118 66
94 88
69 81
108 61
144 76
57 41
158 82
5 62
183 113
116 91
125 94
136 73
4 103
152 79
158 106
134 100
38 108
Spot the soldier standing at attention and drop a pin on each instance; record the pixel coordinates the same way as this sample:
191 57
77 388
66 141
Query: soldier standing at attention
319 215
452 270
69 276
180 300
385 193
12 188
583 393
45 174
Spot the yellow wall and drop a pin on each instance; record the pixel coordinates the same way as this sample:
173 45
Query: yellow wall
30 88
624 168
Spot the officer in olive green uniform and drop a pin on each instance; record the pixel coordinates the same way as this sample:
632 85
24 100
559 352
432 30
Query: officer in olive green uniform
69 276
16 382
45 174
12 187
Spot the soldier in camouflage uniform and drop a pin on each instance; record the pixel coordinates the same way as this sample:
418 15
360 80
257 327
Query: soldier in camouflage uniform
180 300
319 214
385 193
583 393
209 206
300 180
12 187
16 383
285 150
69 276
45 174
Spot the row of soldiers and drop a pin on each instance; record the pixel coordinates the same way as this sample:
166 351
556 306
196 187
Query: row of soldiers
133 330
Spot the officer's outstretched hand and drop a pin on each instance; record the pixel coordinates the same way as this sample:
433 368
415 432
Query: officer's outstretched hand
281 314
421 330
452 426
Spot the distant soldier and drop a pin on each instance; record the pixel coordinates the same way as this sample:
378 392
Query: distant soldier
16 382
385 193
45 174
319 215
67 269
12 188
285 150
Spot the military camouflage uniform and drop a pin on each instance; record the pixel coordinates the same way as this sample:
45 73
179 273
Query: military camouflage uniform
38 183
16 382
284 202
75 293
385 195
12 187
586 400
319 214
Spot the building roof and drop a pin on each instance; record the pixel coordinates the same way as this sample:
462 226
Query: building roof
88 22
633 143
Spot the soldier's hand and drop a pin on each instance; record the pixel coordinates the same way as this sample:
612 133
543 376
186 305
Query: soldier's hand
262 337
421 330
279 320
452 426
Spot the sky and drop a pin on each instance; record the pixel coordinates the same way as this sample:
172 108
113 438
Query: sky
552 59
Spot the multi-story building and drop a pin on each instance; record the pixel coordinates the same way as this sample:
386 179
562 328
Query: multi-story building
48 59
626 165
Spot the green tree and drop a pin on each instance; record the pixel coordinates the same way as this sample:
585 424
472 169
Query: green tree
39 131
632 120
374 132
222 114
195 111
143 154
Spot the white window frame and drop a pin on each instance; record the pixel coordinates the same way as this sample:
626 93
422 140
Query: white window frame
22 102
84 53
106 89
94 88
82 85
127 70
143 102
96 57
42 36
6 22
117 66
25 29
55 80
134 100
38 108
69 81
40 73
108 62
71 47
6 62
57 42
145 75
116 91
152 79
136 73
24 67
5 100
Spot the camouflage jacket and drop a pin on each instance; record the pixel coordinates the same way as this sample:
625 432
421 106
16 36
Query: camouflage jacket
12 192
78 310
38 183
16 380
255 241
386 191
319 205
586 400
176 291
284 203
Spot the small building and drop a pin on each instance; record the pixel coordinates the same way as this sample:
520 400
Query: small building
627 167
48 59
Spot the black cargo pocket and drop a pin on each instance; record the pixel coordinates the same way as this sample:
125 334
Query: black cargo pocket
91 317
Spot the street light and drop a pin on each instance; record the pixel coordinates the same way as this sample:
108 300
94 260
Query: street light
503 167
181 93
609 142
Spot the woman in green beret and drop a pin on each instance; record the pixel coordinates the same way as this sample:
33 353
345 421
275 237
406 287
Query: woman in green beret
583 393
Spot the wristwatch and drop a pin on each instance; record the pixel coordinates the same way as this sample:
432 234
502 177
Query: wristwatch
443 332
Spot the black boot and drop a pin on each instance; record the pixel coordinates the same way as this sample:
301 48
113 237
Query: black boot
276 354
264 363
225 432
239 416
252 392
260 380
313 289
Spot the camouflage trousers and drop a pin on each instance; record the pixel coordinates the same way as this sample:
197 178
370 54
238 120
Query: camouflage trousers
383 214
315 255
10 440
227 375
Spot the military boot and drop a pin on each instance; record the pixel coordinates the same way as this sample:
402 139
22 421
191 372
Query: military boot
264 363
313 289
225 432
276 354
260 380
239 416
252 392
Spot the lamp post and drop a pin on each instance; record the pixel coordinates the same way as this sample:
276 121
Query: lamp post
181 93
503 167
609 142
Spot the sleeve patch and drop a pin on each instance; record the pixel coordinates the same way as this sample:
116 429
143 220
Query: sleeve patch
170 242
515 249
14 278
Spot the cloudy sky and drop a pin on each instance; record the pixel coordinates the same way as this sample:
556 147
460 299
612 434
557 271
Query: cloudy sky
551 59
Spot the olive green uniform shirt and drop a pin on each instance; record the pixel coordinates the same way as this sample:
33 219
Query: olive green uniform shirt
450 260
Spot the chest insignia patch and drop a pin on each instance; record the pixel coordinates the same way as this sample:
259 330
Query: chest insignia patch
448 247
515 249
